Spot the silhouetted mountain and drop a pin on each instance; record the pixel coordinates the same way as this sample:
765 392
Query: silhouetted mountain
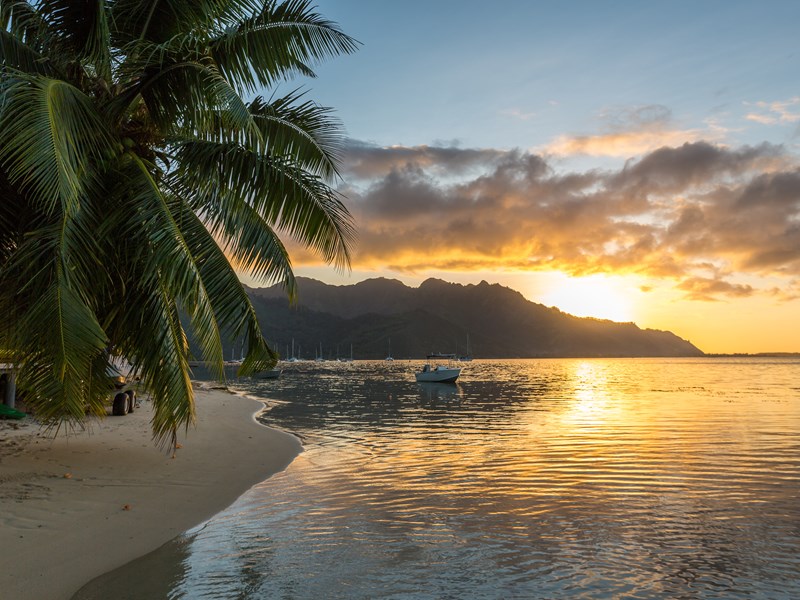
439 317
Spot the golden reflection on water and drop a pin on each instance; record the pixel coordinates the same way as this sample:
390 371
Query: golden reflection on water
595 441
528 479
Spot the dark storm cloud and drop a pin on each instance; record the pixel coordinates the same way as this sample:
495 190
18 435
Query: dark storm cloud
675 213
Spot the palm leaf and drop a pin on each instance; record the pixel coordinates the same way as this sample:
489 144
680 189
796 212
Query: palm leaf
58 357
81 28
73 340
232 306
246 237
156 344
307 132
285 196
50 136
172 261
186 93
18 55
278 42
159 20
24 22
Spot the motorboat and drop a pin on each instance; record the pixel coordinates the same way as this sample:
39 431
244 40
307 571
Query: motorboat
437 374
270 374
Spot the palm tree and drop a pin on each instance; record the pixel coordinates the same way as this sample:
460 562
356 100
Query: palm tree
134 172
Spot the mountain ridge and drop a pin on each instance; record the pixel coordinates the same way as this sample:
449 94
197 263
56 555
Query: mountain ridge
438 316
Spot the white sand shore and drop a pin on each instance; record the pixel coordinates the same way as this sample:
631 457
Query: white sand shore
74 508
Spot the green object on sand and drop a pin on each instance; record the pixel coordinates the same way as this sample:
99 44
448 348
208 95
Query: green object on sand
6 412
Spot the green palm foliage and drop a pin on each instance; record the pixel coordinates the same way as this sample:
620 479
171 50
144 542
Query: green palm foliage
133 171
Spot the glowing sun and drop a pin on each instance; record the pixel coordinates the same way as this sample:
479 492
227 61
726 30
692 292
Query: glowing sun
594 296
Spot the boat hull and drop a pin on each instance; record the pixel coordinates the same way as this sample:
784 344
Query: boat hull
272 374
438 375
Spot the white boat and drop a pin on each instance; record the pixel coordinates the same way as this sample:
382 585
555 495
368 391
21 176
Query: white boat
437 374
271 374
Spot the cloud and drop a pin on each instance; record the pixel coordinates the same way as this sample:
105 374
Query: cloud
365 161
788 292
629 132
775 113
699 214
625 143
516 113
703 288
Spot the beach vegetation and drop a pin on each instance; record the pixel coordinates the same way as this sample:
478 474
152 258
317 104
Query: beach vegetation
141 166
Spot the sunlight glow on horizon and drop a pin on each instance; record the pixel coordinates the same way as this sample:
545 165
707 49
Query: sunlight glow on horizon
747 325
597 296
660 187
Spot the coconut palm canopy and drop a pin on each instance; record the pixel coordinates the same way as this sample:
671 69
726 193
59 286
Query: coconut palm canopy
133 171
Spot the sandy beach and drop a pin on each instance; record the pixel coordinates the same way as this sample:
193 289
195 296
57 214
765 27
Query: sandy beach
76 507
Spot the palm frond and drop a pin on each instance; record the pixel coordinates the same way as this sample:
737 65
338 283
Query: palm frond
172 261
159 20
22 20
156 345
247 238
19 56
74 340
285 196
232 306
58 357
305 131
82 29
185 94
280 41
50 138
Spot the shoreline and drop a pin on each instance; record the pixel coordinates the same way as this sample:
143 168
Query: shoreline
78 506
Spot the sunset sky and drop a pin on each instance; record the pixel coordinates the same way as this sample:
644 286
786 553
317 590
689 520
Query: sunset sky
627 160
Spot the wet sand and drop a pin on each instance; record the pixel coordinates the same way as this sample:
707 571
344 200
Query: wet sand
76 507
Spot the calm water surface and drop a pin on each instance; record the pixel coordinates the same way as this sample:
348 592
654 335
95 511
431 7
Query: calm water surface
635 478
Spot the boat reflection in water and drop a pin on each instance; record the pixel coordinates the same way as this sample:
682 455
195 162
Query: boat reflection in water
439 394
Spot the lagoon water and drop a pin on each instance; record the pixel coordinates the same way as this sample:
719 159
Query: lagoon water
602 478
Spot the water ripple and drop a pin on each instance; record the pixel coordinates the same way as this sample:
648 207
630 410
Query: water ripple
669 478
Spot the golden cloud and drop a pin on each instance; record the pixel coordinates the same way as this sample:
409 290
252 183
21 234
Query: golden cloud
674 213
704 288
630 131
620 144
